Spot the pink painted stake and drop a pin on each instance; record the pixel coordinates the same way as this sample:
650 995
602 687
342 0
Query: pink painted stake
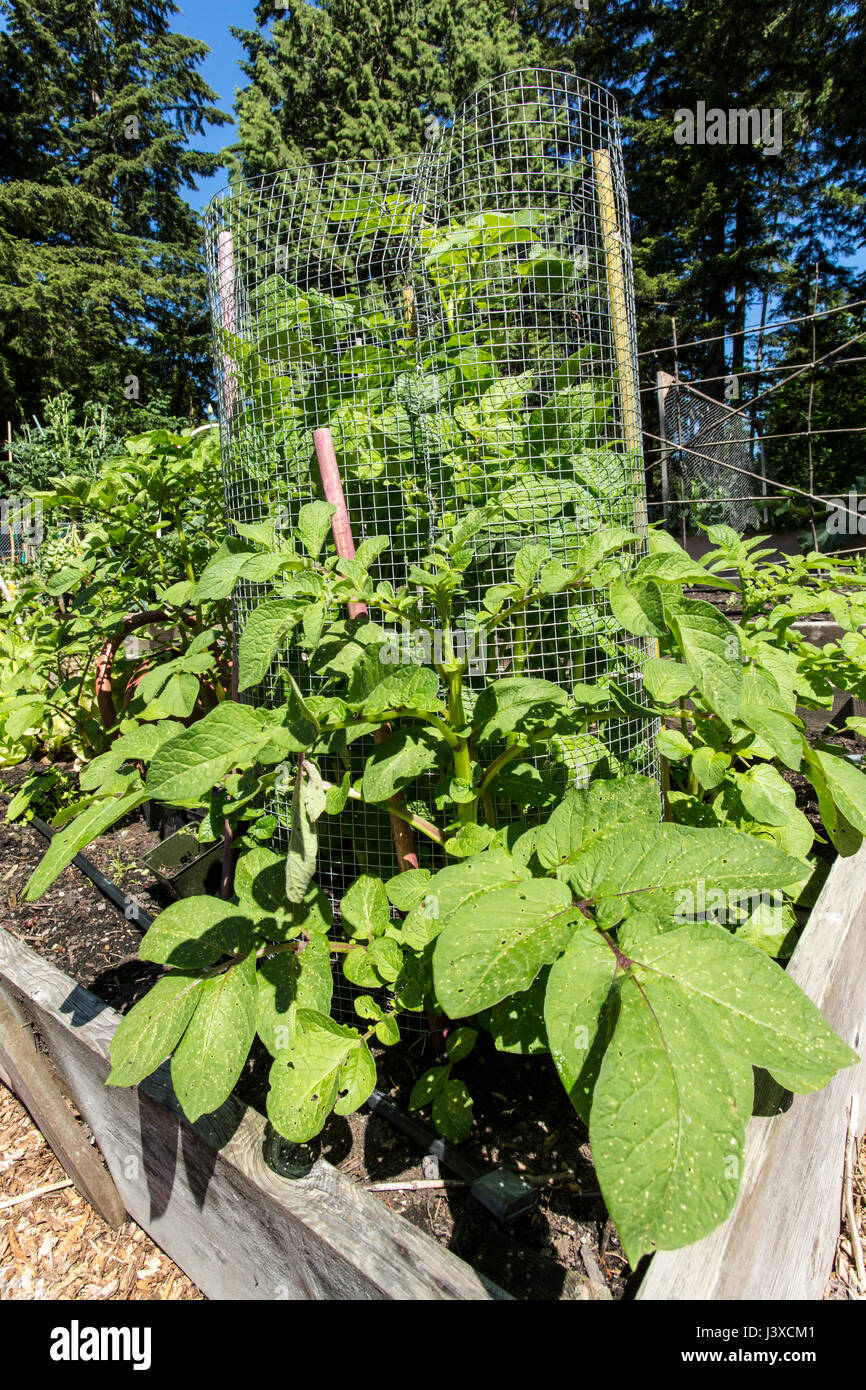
341 530
228 316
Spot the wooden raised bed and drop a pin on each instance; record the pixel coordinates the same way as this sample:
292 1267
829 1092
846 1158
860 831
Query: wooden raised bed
212 1196
205 1192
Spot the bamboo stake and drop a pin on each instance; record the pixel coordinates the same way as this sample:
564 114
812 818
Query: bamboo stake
341 529
626 366
228 320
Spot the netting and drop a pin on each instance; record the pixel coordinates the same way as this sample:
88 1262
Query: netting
463 324
713 453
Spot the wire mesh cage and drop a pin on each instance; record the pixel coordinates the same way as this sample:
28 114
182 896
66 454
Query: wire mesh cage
462 323
712 447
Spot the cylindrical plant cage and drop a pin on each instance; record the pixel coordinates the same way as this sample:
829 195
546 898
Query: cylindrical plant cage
463 325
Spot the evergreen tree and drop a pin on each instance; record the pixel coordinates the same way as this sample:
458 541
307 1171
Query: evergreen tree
100 256
361 79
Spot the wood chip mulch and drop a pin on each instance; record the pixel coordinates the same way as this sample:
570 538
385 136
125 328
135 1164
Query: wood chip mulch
844 1282
55 1246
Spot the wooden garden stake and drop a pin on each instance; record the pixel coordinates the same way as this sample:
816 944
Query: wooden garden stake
228 321
341 529
625 363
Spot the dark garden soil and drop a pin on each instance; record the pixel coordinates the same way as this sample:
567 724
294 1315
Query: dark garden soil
565 1249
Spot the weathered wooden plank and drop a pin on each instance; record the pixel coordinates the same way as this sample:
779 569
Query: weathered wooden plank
780 1239
206 1193
29 1075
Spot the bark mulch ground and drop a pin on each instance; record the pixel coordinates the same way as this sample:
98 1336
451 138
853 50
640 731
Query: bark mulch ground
55 1246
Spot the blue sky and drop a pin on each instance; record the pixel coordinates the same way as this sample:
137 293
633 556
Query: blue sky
209 20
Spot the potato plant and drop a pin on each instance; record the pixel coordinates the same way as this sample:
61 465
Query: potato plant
592 931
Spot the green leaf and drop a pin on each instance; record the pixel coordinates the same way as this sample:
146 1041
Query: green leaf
196 932
517 1023
667 681
397 761
190 764
711 647
766 795
666 1130
583 815
775 730
387 957
153 1027
638 607
650 868
505 704
407 687
211 1054
358 968
452 1112
314 523
578 988
406 889
356 1081
460 1043
364 909
709 767
303 839
748 1003
263 634
305 1077
288 982
67 842
673 745
428 1086
847 786
499 943
527 563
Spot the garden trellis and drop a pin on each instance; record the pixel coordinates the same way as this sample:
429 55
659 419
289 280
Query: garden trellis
462 324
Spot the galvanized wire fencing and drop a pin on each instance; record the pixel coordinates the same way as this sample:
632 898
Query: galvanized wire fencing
463 325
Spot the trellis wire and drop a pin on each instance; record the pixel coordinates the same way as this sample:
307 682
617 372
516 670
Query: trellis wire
463 324
712 444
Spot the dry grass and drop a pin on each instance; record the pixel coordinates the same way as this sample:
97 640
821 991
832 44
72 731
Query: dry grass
55 1246
844 1282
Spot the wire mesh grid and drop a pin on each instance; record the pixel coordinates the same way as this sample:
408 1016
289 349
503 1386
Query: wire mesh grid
463 323
713 454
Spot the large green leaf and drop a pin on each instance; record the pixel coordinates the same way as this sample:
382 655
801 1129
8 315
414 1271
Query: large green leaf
211 1054
506 704
263 634
192 762
397 761
288 982
649 868
668 1122
847 786
195 932
782 737
584 815
711 650
151 1029
747 1001
364 908
407 687
498 942
578 988
67 842
305 1077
